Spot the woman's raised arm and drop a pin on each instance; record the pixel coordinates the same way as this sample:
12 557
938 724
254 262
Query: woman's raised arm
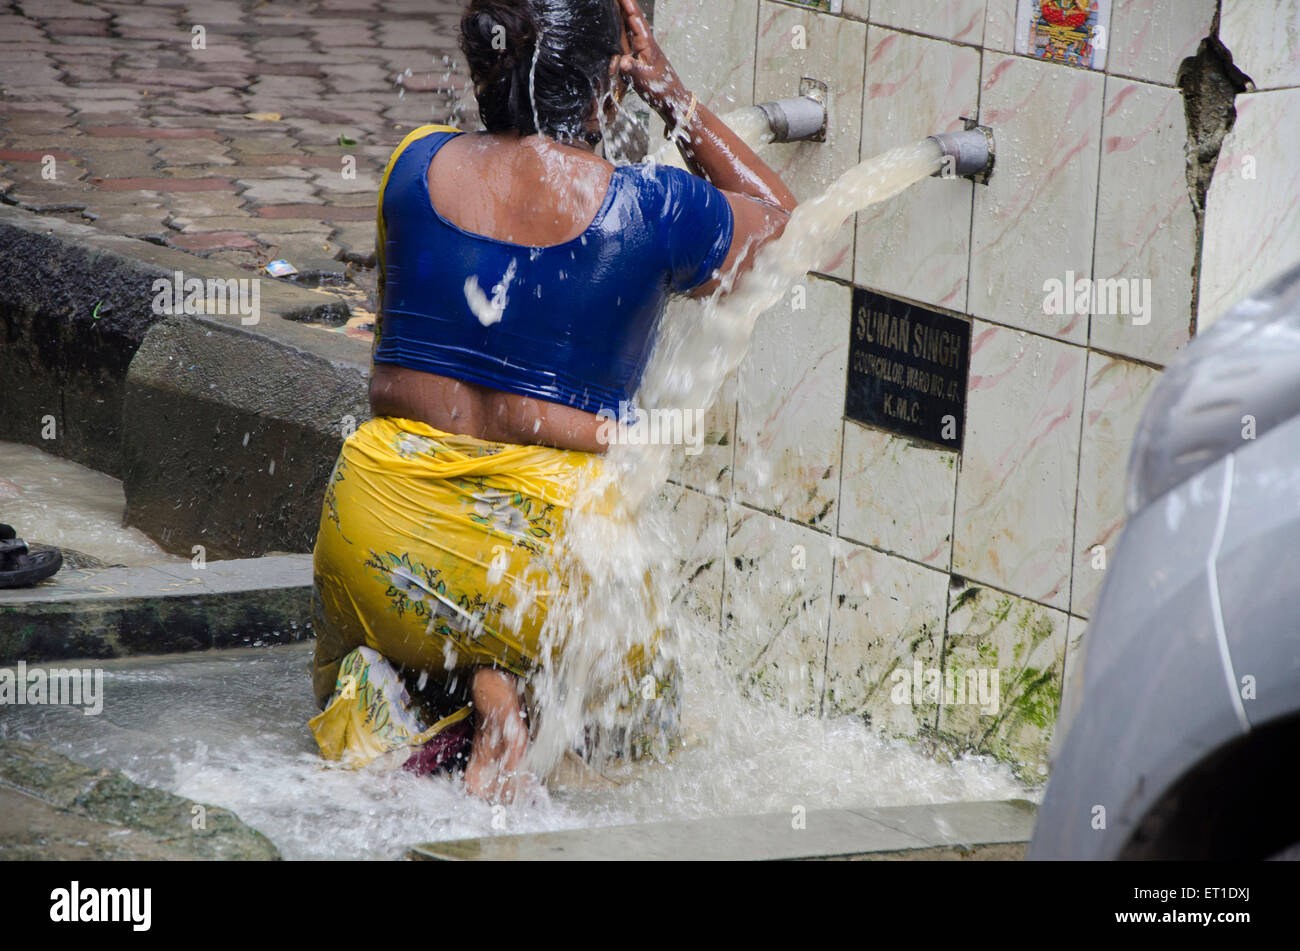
760 201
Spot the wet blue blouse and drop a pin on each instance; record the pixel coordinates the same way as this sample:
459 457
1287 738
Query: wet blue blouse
571 323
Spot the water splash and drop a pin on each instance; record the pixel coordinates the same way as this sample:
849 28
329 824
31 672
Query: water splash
490 310
620 569
750 124
226 728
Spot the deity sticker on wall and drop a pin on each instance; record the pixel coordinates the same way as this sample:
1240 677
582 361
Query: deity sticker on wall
1073 32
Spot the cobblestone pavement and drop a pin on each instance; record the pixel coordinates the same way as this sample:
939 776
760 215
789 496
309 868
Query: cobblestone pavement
238 131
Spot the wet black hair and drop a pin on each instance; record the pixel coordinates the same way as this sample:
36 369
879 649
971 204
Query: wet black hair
537 65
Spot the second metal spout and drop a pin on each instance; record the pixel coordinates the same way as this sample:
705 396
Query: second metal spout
801 118
967 154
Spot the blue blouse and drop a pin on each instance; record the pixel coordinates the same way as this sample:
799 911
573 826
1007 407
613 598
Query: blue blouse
571 323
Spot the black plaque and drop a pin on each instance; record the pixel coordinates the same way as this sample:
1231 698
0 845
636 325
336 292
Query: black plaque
907 369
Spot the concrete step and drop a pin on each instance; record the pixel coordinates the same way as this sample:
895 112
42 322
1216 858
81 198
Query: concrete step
155 609
962 830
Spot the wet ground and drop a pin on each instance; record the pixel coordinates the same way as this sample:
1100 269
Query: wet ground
229 728
53 501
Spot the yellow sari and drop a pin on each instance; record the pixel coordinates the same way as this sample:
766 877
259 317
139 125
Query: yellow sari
438 552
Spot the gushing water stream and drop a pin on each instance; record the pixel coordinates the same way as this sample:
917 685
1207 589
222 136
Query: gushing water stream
611 608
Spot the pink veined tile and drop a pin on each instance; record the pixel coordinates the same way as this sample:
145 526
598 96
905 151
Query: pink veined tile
790 395
1252 219
794 43
776 595
1016 487
1262 37
958 20
1146 228
887 614
1034 221
1149 39
1117 392
917 245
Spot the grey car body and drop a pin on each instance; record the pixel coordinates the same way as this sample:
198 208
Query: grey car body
1183 740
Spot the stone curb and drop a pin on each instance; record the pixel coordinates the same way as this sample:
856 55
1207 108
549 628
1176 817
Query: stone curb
156 609
948 830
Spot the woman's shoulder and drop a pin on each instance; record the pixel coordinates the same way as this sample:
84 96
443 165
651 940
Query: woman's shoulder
674 191
668 178
423 132
663 183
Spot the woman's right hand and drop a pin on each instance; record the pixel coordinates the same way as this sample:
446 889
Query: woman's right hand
652 76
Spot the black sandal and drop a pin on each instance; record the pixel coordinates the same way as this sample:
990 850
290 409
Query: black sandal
20 567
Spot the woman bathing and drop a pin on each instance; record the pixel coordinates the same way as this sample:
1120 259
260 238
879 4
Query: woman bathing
522 277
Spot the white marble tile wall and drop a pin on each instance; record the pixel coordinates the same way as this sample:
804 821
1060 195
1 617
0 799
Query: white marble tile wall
897 495
1146 229
917 245
849 8
1016 487
709 469
960 20
698 526
1000 26
1091 179
886 615
1034 221
1264 39
1117 393
855 8
711 45
775 608
790 396
1252 217
1025 643
1149 39
1072 682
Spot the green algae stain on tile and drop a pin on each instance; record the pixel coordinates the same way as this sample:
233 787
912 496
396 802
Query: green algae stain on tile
1024 644
968 594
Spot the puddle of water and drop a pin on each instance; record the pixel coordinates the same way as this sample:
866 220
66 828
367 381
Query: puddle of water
52 501
229 728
